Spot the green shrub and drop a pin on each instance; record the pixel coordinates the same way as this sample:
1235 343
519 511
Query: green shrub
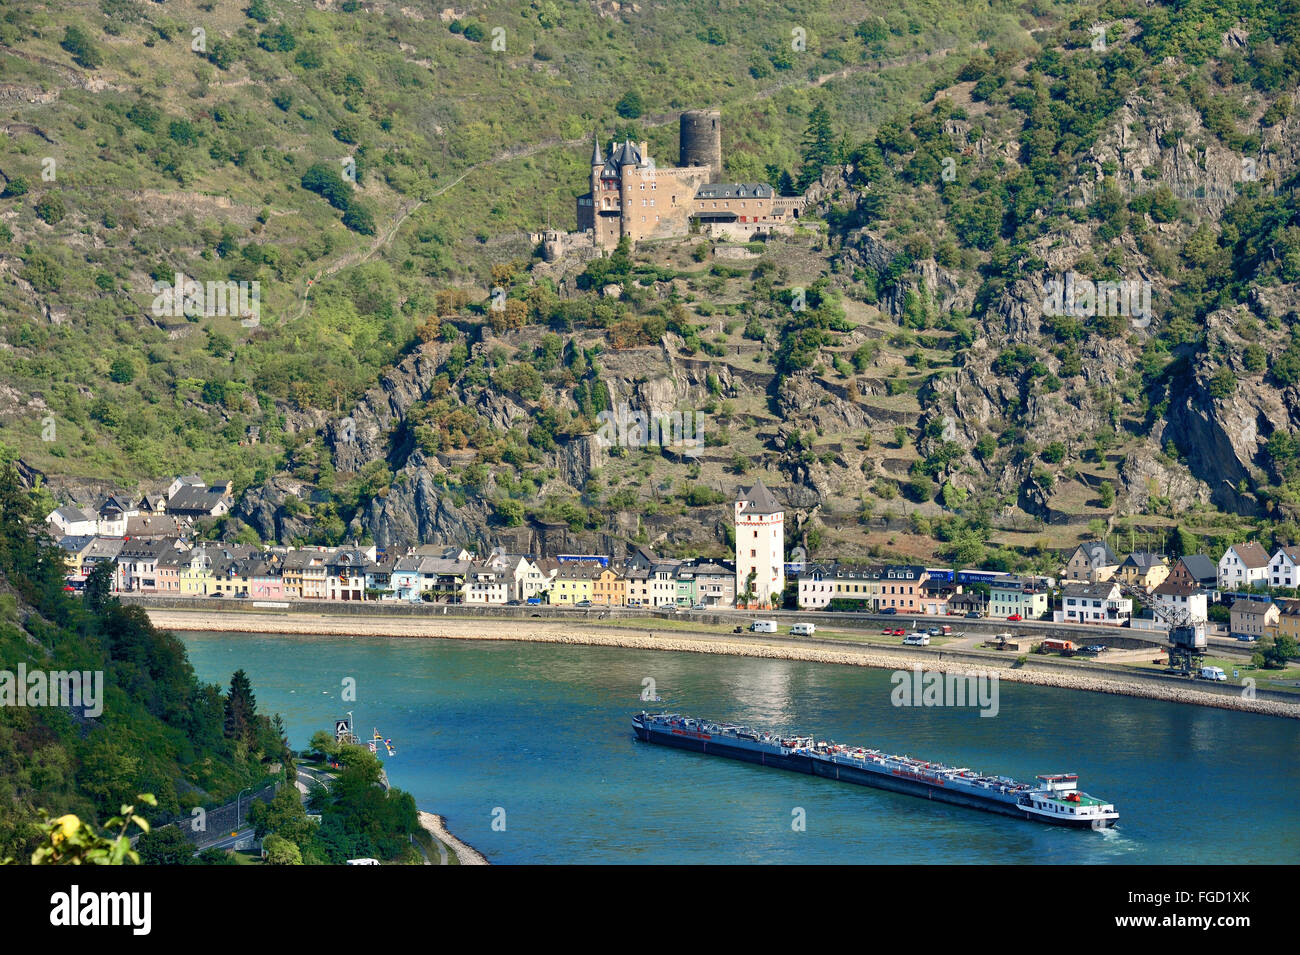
358 219
78 44
50 208
630 106
1222 383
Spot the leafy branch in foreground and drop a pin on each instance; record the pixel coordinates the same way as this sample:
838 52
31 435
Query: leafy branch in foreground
69 841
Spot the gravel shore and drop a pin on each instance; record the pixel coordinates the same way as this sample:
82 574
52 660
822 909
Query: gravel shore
585 634
436 826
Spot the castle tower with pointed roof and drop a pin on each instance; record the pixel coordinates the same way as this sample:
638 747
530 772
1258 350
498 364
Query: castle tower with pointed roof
760 548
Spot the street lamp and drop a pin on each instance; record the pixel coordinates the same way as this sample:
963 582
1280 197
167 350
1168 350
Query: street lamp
237 798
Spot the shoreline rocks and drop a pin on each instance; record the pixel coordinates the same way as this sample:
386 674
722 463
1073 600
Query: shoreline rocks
436 826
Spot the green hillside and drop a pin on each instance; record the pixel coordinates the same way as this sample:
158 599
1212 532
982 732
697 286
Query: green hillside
168 159
920 399
155 729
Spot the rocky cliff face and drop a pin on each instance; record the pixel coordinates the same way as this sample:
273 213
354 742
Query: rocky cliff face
413 510
1162 142
1151 143
417 506
1222 437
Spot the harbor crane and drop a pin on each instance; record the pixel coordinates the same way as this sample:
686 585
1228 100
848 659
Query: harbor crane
1187 641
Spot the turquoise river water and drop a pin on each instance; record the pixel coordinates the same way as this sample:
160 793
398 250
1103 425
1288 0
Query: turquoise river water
528 752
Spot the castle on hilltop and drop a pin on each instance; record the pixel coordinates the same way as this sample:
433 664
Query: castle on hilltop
632 197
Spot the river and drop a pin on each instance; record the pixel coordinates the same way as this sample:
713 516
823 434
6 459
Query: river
527 751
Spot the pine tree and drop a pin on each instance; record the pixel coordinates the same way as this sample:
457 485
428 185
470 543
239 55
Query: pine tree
15 516
98 591
241 710
286 756
819 145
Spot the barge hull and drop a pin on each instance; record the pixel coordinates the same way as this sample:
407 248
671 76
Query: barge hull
911 787
713 746
805 764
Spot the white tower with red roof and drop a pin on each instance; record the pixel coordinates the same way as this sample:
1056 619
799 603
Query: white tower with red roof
760 548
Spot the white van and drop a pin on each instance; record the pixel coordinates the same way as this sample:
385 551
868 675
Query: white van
1213 673
803 630
763 626
916 640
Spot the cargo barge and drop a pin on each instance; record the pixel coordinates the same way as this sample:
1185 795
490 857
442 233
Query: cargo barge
1053 799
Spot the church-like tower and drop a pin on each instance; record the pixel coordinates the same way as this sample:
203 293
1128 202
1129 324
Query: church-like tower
597 163
760 549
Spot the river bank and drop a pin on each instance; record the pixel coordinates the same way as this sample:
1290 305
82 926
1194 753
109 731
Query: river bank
576 632
436 826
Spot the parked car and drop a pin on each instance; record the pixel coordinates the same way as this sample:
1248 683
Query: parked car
803 630
890 610
583 603
217 594
935 632
1213 673
973 615
1095 648
945 630
1015 616
534 601
763 626
899 631
916 640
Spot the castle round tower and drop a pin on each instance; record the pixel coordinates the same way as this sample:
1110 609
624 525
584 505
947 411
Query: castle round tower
701 140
